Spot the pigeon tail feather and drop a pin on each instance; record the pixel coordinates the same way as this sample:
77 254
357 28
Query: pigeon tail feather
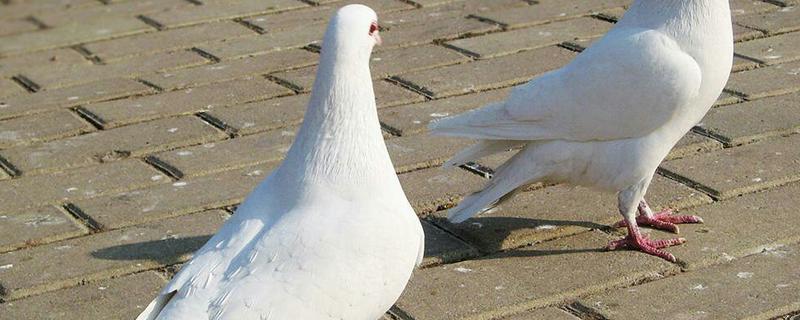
482 148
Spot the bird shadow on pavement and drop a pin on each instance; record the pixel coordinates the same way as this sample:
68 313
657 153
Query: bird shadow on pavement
499 237
164 251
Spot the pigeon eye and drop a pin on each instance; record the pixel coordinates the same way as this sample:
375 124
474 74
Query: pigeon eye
373 27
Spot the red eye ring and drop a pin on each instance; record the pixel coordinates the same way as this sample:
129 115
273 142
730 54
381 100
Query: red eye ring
373 28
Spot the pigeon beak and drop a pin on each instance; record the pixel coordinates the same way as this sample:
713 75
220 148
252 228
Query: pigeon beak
377 37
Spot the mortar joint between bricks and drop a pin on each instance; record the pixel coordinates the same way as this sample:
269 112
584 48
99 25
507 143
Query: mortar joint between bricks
37 22
26 83
218 124
248 25
150 22
9 168
87 220
411 87
88 55
206 54
89 117
163 167
582 312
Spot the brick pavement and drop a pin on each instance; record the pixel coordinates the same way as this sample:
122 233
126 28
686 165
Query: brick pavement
129 130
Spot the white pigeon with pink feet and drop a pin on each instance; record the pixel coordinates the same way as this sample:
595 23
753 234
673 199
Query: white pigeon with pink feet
608 118
329 234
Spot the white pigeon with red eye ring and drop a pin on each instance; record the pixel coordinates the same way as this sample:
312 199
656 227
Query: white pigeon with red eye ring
329 234
608 118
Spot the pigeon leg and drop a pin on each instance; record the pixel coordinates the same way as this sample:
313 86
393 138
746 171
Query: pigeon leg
663 220
628 200
635 240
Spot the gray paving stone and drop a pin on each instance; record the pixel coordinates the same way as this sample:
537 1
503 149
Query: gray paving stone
755 120
765 82
742 7
41 127
509 42
187 101
70 96
119 298
772 50
35 226
70 75
761 286
550 10
423 26
21 9
741 33
550 313
108 145
261 44
214 10
419 152
691 144
28 192
726 98
316 18
230 154
403 60
433 189
487 74
501 284
263 115
783 20
98 28
9 88
108 254
169 200
731 172
557 211
441 247
228 70
114 9
10 27
167 40
414 118
15 64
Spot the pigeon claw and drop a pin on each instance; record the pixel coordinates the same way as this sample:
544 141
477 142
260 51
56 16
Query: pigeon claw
663 220
644 244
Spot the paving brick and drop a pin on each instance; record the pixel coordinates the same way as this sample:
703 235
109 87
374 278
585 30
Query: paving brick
109 145
753 121
9 27
761 286
742 63
29 192
214 10
70 96
773 22
414 118
550 313
727 98
501 284
772 50
167 40
316 18
230 154
549 10
434 189
557 211
98 28
21 9
765 82
263 115
118 9
731 172
503 43
187 101
41 127
419 152
233 69
50 77
108 254
398 61
742 7
37 226
386 94
9 88
261 44
441 247
422 26
691 144
119 298
168 200
55 57
487 74
741 33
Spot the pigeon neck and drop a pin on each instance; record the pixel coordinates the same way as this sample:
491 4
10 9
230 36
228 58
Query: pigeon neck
678 17
340 141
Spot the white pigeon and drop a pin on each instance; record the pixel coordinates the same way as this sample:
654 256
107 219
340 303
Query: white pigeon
329 234
608 118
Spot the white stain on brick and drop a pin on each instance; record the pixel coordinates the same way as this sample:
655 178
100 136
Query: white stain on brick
462 270
744 275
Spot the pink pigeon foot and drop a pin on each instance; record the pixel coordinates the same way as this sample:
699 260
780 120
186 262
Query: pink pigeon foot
663 220
637 241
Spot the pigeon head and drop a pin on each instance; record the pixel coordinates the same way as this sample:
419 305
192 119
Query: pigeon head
353 30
